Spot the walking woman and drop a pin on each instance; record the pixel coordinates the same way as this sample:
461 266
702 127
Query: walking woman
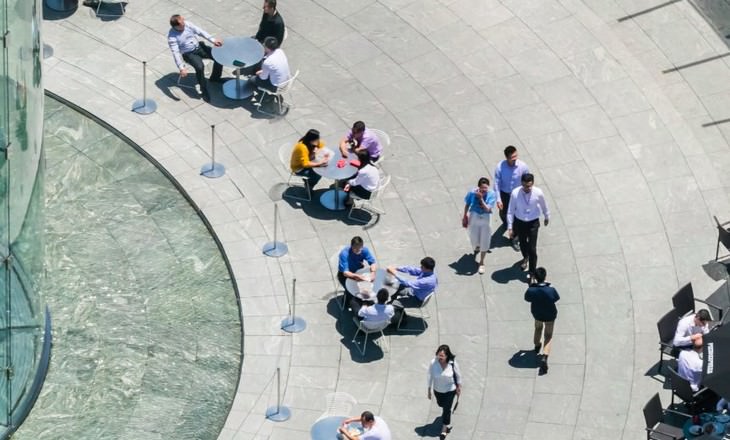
477 217
444 377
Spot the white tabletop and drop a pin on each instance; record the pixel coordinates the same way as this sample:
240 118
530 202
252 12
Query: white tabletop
366 290
238 52
331 171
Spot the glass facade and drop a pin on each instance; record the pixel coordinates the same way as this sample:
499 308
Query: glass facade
24 337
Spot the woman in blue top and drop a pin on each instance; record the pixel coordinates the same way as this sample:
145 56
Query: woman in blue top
477 216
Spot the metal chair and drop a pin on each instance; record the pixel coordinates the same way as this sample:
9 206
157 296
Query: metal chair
384 141
424 315
283 151
723 236
368 328
684 302
337 404
667 325
368 204
655 428
278 96
681 388
121 4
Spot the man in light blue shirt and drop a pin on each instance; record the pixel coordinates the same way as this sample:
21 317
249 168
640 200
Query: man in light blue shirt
507 177
184 45
412 292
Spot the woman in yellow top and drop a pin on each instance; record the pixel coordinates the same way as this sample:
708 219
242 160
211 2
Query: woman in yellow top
303 157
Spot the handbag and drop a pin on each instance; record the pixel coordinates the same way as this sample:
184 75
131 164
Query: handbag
465 221
456 382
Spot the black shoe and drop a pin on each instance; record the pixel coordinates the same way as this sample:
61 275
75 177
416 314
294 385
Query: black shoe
543 367
537 348
442 436
217 80
448 429
516 244
93 3
206 97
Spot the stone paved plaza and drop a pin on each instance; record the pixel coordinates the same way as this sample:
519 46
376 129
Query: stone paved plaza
610 108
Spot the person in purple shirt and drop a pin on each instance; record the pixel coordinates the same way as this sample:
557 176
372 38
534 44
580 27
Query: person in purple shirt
359 138
507 177
412 292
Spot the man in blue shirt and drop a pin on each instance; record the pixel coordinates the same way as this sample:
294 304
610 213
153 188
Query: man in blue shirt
542 298
412 292
507 177
352 259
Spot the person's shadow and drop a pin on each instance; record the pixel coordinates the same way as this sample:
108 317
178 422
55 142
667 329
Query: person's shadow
432 429
524 359
465 265
514 272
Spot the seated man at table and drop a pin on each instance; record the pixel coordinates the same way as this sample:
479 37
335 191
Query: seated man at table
365 181
350 260
689 364
359 138
412 292
184 45
272 24
274 69
375 428
304 157
381 311
691 328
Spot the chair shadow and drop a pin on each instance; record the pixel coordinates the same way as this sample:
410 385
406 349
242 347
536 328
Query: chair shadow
524 359
345 326
114 11
432 429
311 208
465 265
514 272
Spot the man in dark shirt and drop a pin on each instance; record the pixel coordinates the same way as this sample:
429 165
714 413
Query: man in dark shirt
542 298
272 25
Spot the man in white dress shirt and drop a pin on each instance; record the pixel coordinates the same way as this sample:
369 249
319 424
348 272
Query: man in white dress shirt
275 67
691 328
523 219
690 364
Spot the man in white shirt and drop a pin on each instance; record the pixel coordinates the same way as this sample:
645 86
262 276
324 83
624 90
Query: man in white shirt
375 428
523 219
690 364
275 67
184 45
365 181
691 328
377 312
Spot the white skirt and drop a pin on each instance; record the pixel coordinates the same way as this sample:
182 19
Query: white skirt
480 231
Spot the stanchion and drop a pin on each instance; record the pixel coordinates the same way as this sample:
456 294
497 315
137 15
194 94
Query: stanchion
292 323
275 248
278 413
144 106
212 170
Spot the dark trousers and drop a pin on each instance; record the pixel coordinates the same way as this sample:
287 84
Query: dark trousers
311 176
263 83
360 192
195 60
349 297
505 205
527 234
445 401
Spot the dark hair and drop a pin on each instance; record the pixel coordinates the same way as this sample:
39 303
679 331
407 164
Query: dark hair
356 241
703 315
447 351
383 295
358 126
175 20
270 3
527 178
367 416
509 151
271 43
311 135
540 274
364 158
482 181
428 263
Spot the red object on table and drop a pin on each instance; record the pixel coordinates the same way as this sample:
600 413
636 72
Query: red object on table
341 163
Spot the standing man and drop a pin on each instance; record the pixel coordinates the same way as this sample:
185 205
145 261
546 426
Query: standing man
507 177
184 45
411 293
542 298
350 260
272 25
526 204
361 139
274 68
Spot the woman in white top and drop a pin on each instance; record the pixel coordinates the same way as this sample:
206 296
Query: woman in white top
444 377
365 181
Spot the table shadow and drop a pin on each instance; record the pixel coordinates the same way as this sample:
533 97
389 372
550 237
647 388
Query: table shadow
314 208
524 359
52 14
514 272
465 265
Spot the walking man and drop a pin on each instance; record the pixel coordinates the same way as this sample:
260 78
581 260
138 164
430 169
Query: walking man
542 298
523 220
184 45
507 177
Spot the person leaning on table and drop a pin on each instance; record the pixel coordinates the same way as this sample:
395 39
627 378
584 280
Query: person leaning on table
365 181
690 328
274 69
304 157
350 260
412 292
379 312
374 426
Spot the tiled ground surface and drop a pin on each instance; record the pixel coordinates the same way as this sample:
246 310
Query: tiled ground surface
621 141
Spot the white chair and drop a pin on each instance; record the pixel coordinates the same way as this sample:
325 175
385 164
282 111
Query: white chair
424 315
384 141
284 151
368 328
278 96
121 4
369 204
338 404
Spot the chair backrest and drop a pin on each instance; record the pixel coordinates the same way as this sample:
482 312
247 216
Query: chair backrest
374 326
382 136
427 299
286 86
653 411
723 235
285 156
667 325
684 300
382 184
680 386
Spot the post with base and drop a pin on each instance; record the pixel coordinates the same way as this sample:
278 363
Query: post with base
144 106
292 323
275 248
278 413
212 170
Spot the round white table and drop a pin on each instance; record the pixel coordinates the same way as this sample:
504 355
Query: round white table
367 290
334 199
238 52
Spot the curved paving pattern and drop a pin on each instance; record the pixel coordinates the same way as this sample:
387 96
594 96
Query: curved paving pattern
617 143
